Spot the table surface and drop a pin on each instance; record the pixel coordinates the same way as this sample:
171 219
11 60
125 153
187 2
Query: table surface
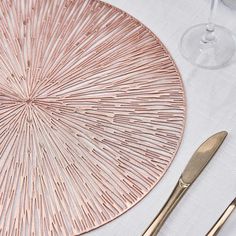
211 107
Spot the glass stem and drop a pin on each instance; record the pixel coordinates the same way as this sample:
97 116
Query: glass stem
209 36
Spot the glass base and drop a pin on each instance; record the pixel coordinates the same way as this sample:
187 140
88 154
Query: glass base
204 53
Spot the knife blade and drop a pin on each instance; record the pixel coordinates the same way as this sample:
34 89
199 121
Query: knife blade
195 166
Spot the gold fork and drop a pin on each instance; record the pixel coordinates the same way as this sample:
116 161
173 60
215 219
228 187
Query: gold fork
219 223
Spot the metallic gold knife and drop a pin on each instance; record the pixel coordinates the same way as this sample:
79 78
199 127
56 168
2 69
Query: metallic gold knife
219 223
193 169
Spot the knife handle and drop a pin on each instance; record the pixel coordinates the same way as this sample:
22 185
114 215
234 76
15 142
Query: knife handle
219 223
172 201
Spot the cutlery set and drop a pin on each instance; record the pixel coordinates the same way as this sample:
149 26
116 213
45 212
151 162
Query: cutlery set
201 45
195 166
92 113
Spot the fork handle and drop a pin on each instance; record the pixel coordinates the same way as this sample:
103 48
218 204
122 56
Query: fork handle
219 223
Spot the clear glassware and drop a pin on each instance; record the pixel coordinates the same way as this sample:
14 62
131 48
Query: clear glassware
208 45
230 3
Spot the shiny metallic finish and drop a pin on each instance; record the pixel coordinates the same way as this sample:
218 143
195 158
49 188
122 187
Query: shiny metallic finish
220 222
92 112
193 169
201 157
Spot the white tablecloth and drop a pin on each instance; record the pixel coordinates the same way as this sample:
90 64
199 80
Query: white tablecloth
211 107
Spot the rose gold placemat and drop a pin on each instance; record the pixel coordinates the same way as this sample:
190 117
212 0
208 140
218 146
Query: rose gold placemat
91 115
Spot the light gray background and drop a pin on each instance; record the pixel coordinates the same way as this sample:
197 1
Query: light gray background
211 107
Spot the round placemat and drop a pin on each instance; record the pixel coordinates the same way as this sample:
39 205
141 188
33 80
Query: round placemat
92 113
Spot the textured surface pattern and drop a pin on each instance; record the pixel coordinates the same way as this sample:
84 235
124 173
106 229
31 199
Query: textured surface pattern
91 115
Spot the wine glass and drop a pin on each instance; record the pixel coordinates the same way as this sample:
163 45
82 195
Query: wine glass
208 45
